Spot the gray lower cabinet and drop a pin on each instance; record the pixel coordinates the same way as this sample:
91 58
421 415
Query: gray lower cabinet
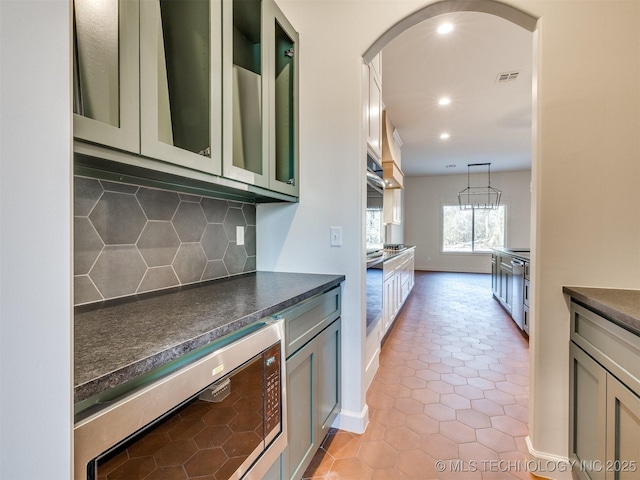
623 435
588 397
604 403
313 381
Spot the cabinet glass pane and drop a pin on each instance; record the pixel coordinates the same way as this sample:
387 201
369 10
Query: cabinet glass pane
247 85
184 75
96 88
284 105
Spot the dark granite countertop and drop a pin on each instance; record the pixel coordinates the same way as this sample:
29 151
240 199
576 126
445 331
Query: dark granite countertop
618 305
521 253
121 340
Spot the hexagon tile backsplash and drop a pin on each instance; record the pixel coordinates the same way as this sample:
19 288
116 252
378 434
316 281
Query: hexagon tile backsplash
130 239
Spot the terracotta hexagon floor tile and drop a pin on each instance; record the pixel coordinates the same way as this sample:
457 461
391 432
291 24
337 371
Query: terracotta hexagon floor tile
417 364
495 440
511 388
457 431
478 366
464 355
453 362
422 424
440 386
320 465
502 368
440 412
416 464
469 391
408 406
396 391
473 418
425 396
402 438
428 375
413 382
374 431
465 371
342 444
453 379
518 379
481 383
488 407
429 358
455 401
500 397
350 468
492 376
449 347
378 399
439 447
519 412
390 417
389 474
441 353
479 454
378 455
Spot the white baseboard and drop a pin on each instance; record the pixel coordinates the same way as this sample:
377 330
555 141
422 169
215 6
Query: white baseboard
547 465
355 422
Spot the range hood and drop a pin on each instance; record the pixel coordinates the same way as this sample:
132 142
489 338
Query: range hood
391 154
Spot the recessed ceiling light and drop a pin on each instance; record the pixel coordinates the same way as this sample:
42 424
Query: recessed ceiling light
445 28
444 101
444 136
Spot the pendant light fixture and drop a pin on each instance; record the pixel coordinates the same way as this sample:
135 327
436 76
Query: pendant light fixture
479 197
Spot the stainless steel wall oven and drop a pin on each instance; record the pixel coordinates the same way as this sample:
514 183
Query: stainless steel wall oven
221 416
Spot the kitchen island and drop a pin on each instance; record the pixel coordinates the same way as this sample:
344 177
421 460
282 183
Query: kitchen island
510 278
118 340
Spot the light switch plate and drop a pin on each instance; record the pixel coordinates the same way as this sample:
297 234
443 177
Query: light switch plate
336 236
239 235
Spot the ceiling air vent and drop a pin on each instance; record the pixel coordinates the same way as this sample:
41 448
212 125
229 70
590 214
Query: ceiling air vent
507 77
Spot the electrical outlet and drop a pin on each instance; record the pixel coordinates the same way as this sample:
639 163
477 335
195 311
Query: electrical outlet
239 235
336 236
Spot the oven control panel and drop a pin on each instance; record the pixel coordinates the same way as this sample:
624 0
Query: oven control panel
272 388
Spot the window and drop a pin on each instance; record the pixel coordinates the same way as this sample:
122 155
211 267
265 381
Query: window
475 230
375 227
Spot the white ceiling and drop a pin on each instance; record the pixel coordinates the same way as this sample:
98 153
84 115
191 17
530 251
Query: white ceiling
487 121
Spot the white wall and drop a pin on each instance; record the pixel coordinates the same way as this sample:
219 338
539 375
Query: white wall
424 198
35 241
585 166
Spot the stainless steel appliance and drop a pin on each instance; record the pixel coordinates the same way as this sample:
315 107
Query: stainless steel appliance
517 299
221 416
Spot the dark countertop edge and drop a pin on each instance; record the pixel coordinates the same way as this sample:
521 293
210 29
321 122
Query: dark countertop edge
526 256
117 377
620 306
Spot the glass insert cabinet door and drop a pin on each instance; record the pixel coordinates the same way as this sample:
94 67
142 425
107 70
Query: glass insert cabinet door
260 108
283 103
180 95
147 78
105 73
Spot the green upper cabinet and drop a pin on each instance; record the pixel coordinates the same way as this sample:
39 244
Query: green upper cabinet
147 79
180 79
196 93
106 72
260 106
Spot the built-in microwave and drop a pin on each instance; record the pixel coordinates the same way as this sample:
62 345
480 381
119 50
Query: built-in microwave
222 416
